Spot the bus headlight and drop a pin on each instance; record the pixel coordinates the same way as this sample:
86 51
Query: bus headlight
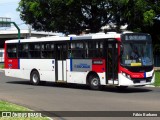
126 75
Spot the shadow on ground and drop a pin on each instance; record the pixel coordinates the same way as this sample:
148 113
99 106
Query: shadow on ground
85 87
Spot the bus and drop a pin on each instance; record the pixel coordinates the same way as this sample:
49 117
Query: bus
96 60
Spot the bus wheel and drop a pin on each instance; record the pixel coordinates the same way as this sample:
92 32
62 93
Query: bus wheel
94 82
35 78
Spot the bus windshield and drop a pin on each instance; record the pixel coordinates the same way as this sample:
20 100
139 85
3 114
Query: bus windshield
136 54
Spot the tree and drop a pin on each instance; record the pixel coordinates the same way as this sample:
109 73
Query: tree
140 16
74 16
65 15
137 14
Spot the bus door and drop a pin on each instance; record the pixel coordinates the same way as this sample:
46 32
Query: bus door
61 56
112 62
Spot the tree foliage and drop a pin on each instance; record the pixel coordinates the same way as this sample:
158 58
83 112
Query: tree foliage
65 15
74 16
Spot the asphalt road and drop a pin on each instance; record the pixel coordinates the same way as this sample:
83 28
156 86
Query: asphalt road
62 97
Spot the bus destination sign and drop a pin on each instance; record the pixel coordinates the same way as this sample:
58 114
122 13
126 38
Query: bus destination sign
136 37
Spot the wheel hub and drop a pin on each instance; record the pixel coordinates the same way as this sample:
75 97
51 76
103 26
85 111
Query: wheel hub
35 78
95 82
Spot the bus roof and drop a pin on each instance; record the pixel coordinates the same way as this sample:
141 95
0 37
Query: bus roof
95 36
57 38
51 38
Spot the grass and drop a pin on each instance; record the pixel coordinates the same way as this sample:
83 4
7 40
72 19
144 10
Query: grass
1 65
5 106
157 78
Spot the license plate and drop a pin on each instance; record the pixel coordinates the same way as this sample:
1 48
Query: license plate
143 81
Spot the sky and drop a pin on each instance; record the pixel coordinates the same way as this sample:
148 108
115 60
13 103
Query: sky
8 9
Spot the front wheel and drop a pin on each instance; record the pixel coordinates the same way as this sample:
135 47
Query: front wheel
35 78
94 82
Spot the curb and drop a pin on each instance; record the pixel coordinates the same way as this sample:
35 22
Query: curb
149 86
1 70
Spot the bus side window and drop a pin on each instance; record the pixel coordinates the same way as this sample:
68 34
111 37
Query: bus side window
34 50
94 49
12 50
47 50
77 50
23 50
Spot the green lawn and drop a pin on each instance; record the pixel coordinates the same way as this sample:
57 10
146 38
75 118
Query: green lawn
5 106
157 78
1 65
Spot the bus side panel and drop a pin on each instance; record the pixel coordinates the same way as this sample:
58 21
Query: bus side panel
98 65
11 64
79 75
102 78
75 76
14 73
45 67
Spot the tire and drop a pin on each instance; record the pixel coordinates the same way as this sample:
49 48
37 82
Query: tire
94 82
35 78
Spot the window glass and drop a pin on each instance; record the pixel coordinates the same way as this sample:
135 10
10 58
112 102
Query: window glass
94 49
1 54
88 49
34 50
76 50
34 46
140 53
47 50
23 50
12 50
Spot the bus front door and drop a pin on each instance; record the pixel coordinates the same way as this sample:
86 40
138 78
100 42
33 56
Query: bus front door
61 55
112 63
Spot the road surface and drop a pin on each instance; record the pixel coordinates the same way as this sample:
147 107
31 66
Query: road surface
62 97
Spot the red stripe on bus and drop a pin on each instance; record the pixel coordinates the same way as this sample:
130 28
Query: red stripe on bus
133 74
98 65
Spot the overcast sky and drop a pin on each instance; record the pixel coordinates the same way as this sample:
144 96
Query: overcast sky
8 9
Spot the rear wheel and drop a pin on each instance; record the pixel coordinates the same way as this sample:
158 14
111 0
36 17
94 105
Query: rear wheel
94 82
35 78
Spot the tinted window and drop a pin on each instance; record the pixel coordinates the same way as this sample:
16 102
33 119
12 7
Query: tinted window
34 50
47 50
94 49
76 50
12 51
23 50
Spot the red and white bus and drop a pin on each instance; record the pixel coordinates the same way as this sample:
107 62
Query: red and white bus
94 59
